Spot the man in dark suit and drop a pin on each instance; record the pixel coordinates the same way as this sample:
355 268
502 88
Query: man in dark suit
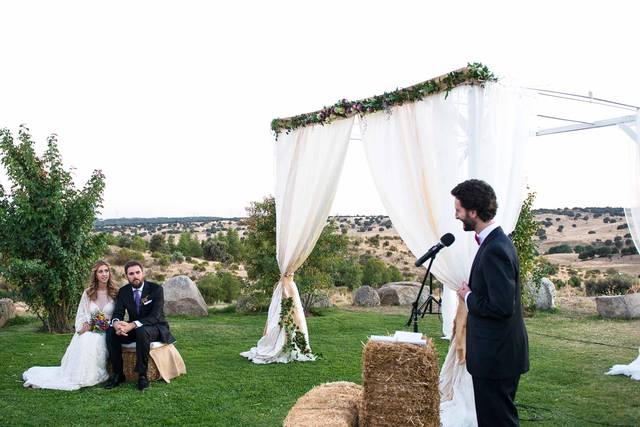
497 343
144 302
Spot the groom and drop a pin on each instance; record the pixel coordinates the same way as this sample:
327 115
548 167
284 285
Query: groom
497 343
144 303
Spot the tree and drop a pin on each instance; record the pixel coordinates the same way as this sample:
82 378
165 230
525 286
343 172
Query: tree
528 257
374 273
46 242
139 244
260 260
158 244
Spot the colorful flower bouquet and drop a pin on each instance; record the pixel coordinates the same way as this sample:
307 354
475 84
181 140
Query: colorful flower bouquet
99 322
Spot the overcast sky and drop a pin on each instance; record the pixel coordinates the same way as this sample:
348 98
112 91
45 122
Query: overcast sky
173 100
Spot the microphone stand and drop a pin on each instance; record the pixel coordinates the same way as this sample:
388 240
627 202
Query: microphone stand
428 304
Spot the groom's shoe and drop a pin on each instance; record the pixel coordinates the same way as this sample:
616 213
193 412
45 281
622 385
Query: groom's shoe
114 381
143 382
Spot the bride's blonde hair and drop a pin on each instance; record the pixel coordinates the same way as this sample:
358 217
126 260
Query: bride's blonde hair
92 290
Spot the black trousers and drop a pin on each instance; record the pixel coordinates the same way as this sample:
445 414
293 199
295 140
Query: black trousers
495 405
142 336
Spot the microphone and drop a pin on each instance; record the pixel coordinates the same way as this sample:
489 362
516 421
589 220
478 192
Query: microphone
445 240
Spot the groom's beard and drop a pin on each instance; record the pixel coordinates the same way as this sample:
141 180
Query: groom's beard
136 283
468 224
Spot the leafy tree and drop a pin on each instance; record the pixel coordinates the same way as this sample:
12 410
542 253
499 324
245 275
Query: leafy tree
46 242
374 273
139 244
222 286
189 245
530 274
158 244
260 260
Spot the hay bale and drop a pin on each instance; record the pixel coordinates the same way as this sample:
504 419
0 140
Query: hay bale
327 405
400 385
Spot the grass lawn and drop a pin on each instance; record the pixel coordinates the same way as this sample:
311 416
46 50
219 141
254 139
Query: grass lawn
566 384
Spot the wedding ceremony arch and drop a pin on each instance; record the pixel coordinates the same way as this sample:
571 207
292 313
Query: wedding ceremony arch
419 142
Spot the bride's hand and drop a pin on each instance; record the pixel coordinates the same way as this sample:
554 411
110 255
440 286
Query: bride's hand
85 328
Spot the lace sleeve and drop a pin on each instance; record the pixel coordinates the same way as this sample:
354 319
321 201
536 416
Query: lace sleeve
83 315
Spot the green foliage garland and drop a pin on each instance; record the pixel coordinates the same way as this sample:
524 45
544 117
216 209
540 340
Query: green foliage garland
474 73
296 341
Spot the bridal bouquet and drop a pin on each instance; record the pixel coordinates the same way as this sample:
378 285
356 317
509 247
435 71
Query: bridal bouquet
99 322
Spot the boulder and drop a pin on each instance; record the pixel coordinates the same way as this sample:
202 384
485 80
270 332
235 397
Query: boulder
546 295
401 293
7 311
320 301
366 296
619 306
181 296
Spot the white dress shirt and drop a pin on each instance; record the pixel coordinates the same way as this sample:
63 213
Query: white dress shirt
138 324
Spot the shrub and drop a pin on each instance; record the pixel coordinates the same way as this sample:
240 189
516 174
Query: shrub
200 267
221 286
575 282
158 243
591 232
560 228
164 260
123 255
629 250
560 249
139 244
610 285
622 226
177 257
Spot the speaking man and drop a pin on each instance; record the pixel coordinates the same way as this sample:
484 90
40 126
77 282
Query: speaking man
497 343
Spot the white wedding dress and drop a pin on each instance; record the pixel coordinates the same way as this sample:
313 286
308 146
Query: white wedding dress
631 370
84 364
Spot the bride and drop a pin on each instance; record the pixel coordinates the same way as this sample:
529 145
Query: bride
85 362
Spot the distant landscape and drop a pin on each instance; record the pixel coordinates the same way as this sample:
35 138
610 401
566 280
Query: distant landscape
580 245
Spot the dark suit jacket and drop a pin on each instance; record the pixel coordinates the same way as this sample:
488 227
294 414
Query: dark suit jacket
497 342
151 314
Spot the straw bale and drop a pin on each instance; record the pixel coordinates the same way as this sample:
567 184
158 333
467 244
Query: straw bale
129 365
327 405
400 383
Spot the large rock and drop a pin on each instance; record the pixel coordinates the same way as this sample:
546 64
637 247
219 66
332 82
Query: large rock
401 293
7 311
619 306
366 296
181 296
320 301
546 295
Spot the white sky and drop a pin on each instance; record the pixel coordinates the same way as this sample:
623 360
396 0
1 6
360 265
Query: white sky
173 100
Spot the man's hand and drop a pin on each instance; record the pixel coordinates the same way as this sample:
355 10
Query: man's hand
464 290
123 328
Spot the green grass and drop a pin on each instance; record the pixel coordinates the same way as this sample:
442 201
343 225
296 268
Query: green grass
566 385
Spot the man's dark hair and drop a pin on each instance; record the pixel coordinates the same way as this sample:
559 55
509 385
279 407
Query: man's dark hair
131 264
478 196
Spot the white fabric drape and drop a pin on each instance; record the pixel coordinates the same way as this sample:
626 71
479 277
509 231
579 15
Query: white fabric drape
632 214
308 166
418 152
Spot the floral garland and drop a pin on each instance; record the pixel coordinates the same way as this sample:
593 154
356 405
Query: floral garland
296 341
474 73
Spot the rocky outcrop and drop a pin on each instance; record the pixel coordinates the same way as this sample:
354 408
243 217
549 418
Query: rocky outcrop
619 306
181 296
401 293
7 311
366 296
